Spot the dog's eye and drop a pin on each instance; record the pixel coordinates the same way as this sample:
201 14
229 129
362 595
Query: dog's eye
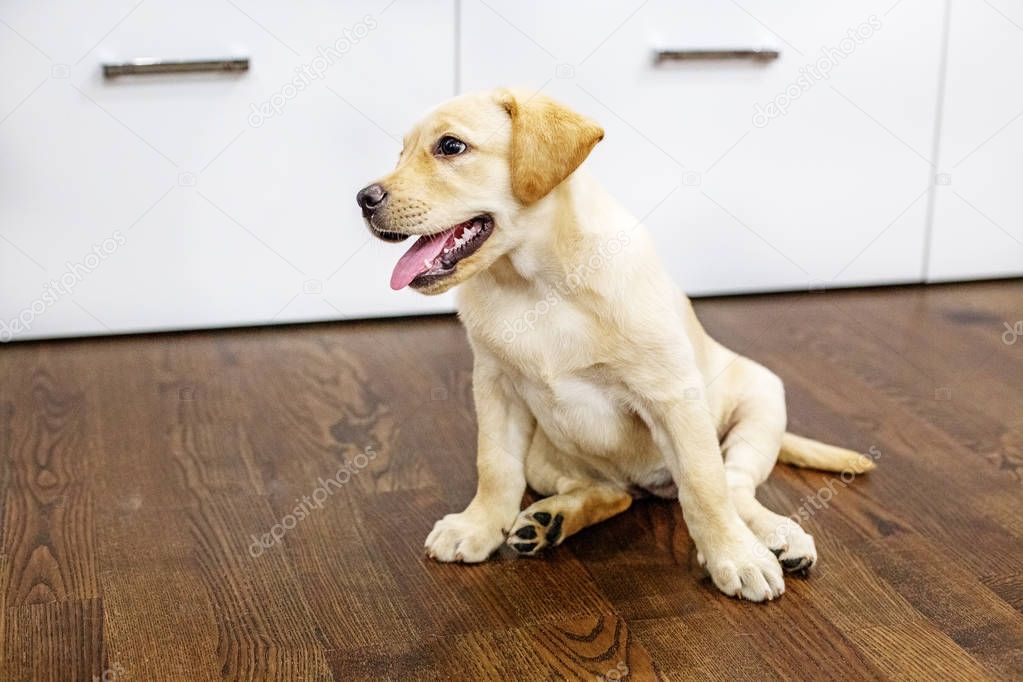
450 146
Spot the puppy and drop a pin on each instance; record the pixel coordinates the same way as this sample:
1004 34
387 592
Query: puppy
593 380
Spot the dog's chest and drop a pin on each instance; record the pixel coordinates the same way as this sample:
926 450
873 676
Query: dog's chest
579 413
551 350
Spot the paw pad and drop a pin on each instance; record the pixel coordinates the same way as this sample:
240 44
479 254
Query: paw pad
799 564
554 531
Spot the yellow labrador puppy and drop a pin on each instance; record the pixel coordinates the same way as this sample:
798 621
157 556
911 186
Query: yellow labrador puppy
593 380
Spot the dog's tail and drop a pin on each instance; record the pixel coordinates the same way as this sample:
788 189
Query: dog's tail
811 454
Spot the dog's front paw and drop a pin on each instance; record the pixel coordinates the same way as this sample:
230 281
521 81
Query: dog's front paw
463 537
741 566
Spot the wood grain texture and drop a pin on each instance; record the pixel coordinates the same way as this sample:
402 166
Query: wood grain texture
251 504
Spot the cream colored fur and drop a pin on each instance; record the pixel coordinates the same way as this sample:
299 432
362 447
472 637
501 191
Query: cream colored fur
593 378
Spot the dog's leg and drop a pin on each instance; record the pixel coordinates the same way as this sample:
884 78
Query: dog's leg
750 451
738 562
573 500
548 522
505 429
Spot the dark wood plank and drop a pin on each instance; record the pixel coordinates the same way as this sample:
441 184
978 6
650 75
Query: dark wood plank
598 647
703 646
48 533
54 640
916 651
52 606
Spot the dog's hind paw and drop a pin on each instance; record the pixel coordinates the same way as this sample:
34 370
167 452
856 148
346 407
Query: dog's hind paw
793 546
796 552
534 530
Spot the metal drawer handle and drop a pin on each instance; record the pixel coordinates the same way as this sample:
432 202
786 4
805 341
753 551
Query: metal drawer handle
149 65
755 54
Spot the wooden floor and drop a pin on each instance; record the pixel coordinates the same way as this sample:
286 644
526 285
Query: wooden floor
140 474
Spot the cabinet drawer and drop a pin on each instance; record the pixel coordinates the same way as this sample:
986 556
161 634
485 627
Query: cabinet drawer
804 171
221 198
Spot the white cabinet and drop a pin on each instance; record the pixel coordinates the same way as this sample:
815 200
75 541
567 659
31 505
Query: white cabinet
186 201
180 201
978 204
741 196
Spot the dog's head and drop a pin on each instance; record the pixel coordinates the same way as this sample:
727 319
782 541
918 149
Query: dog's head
465 174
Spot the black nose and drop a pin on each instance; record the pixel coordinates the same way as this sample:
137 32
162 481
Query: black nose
370 198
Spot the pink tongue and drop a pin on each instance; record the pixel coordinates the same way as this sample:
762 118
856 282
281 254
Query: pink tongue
413 263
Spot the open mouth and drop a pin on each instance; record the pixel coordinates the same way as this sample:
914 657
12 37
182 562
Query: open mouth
434 256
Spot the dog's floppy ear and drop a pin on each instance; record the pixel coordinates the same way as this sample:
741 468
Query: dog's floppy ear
549 141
